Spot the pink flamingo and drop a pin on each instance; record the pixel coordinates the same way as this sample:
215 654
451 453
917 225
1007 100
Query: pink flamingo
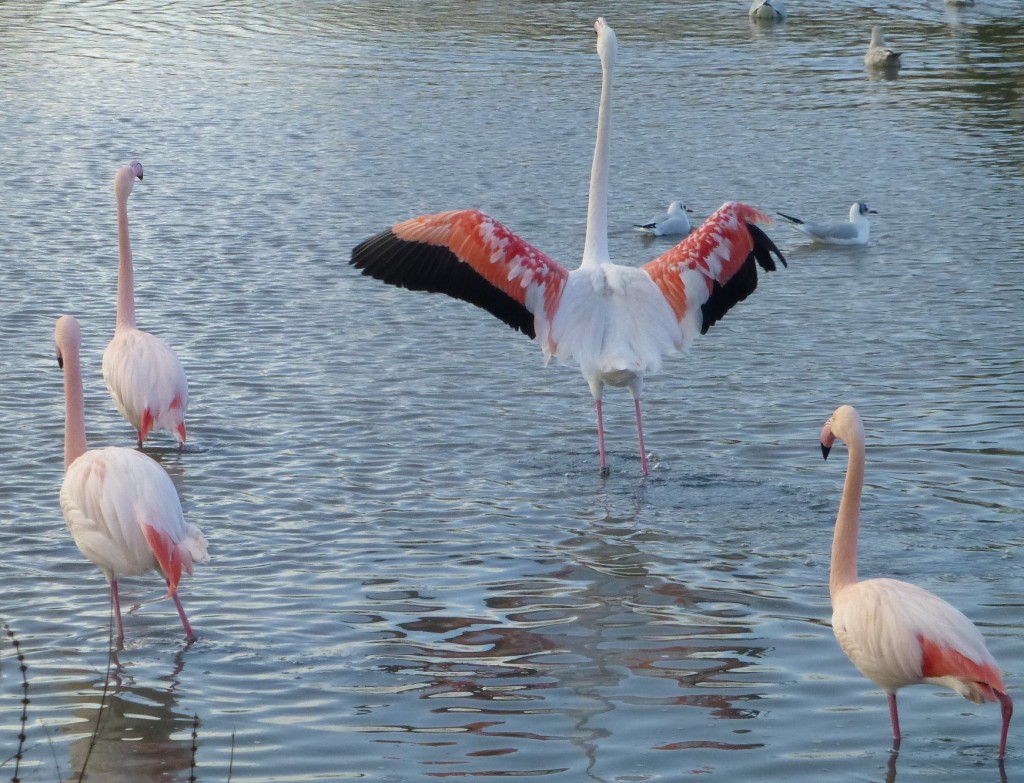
894 632
119 504
616 321
142 372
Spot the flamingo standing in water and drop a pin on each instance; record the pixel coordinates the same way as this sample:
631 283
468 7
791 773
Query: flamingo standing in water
894 632
616 321
120 505
142 372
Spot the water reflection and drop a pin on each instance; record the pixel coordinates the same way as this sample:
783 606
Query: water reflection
140 732
566 653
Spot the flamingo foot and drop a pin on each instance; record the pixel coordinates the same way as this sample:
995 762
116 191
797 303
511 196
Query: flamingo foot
1006 703
189 634
640 433
115 599
894 715
600 437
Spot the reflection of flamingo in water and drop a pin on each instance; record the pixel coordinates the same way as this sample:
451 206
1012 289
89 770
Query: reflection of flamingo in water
142 372
896 633
120 505
616 321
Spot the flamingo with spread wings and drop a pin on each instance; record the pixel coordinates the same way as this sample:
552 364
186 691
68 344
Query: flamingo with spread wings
616 321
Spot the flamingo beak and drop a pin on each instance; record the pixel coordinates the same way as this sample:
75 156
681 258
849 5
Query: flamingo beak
827 439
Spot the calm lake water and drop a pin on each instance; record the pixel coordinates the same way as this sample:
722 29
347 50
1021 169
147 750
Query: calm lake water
417 571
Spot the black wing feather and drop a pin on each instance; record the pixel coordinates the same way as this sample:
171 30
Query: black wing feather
421 266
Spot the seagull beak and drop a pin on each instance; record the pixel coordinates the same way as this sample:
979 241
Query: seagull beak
870 211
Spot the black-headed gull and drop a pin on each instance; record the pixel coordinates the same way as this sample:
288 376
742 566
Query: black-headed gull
674 221
855 231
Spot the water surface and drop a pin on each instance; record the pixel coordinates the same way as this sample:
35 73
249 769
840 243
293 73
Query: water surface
417 570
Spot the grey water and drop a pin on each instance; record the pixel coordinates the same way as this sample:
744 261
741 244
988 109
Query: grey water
417 570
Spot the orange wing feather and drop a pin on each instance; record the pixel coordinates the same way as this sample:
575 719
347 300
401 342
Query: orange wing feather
471 256
715 266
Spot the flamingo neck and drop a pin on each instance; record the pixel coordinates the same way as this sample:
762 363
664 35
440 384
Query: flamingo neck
844 542
595 249
125 277
74 408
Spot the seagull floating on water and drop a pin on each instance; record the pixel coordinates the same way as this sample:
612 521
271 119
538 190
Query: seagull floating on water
768 9
856 231
674 221
878 54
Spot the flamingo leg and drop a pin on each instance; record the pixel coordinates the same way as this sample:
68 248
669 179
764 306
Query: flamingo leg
640 433
600 434
894 715
1006 703
189 635
117 613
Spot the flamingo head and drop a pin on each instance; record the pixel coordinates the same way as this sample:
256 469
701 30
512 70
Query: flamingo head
125 178
607 45
67 335
844 425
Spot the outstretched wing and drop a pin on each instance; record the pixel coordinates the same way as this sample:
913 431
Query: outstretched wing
715 267
470 256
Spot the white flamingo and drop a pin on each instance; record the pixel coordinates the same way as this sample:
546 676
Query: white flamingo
894 632
142 372
616 321
120 505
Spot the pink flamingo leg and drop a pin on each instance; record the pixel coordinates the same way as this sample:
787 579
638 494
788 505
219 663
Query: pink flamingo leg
189 635
600 435
117 613
1006 703
895 716
640 432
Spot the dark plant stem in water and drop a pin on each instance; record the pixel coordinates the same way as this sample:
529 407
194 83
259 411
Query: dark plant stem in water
103 696
24 700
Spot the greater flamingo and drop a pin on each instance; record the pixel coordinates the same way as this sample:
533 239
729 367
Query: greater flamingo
894 632
616 321
878 54
855 231
120 505
674 221
142 372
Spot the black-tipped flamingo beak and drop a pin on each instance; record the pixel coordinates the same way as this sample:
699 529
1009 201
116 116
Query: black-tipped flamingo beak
827 439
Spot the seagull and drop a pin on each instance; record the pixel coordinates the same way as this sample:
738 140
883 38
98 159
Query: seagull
856 231
768 9
674 221
878 54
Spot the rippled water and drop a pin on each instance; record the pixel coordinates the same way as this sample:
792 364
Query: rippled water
417 570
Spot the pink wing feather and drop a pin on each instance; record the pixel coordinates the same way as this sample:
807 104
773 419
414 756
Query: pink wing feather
715 267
